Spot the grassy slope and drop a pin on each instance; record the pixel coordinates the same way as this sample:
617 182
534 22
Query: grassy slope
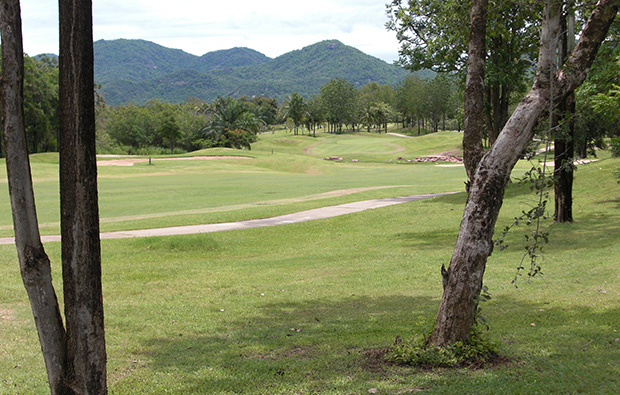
213 313
170 193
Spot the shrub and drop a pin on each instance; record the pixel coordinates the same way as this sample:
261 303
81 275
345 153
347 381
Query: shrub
476 350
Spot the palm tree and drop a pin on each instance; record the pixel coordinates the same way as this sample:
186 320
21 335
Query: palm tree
295 108
382 114
233 124
367 116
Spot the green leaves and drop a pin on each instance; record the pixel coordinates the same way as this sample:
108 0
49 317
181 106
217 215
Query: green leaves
476 350
154 126
232 124
339 97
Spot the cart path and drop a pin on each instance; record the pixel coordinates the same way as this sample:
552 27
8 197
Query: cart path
233 207
302 216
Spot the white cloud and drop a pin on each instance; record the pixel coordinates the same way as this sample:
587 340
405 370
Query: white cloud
271 26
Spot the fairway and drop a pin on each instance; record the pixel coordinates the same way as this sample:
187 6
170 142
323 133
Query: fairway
276 180
306 308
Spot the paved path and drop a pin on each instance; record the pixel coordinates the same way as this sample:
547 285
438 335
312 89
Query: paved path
302 216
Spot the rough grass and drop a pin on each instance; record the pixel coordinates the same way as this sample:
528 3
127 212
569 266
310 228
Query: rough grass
303 308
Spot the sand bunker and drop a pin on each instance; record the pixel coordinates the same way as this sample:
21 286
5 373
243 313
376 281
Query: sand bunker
124 161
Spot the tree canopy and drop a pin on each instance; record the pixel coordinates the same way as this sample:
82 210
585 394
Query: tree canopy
41 103
432 35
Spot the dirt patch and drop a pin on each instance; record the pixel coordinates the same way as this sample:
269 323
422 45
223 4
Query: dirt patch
121 374
308 150
131 161
398 148
6 315
374 360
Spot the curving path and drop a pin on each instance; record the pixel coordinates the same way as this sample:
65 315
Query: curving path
302 216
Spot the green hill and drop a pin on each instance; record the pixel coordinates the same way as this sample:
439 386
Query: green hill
137 60
230 58
139 70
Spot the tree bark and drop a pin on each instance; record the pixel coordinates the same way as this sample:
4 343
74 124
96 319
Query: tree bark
81 252
563 174
33 261
474 88
463 278
564 142
500 100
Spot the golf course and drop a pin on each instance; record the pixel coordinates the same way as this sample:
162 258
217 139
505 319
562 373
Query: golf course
311 307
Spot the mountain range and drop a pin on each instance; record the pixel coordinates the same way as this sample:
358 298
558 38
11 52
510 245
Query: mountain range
139 70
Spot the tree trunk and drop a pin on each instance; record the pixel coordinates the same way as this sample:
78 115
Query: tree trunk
563 173
33 261
564 152
81 255
565 142
499 98
463 279
474 87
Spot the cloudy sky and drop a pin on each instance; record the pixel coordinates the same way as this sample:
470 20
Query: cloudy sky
272 27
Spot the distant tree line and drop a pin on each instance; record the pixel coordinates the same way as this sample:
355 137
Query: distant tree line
162 127
418 105
415 103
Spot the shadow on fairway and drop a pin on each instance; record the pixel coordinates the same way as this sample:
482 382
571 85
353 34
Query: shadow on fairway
309 347
322 347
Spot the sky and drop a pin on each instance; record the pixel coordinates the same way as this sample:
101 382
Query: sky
272 27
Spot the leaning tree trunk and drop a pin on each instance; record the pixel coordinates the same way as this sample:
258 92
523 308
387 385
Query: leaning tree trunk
474 87
81 254
463 279
33 261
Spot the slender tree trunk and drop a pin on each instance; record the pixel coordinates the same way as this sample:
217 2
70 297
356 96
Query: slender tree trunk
504 103
33 261
463 279
563 171
81 255
564 152
500 100
474 88
564 143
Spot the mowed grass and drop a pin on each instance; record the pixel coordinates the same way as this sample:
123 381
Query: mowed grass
301 308
279 178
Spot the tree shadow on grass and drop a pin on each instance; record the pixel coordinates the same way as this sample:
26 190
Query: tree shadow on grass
325 346
428 239
565 349
615 202
318 346
591 232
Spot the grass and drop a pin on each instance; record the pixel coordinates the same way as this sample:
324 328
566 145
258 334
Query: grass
302 308
171 193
